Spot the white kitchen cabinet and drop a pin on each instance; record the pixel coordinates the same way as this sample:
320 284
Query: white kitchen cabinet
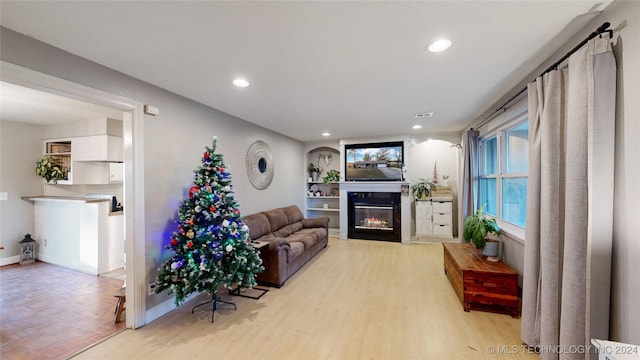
98 148
88 160
116 172
94 172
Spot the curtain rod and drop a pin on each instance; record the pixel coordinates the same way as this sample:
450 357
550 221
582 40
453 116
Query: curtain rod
601 29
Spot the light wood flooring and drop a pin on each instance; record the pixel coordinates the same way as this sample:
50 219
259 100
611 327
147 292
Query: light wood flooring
357 299
49 312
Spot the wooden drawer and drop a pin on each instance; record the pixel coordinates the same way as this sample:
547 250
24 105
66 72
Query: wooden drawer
442 230
443 207
439 218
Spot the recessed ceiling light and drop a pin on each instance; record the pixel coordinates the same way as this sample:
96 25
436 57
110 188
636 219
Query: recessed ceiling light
416 127
439 45
326 134
240 83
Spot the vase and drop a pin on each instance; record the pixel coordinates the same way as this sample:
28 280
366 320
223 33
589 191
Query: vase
491 248
314 176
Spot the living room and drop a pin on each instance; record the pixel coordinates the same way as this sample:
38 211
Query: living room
165 149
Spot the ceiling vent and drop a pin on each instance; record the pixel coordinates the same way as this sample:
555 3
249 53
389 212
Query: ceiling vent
424 115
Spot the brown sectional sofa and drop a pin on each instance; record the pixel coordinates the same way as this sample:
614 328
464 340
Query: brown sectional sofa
293 241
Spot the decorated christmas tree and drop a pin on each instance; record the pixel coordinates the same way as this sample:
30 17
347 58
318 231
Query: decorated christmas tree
211 244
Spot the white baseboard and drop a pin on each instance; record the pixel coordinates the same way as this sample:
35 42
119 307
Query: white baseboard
164 307
9 260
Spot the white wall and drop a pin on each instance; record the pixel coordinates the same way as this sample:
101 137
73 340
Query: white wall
174 142
20 148
423 156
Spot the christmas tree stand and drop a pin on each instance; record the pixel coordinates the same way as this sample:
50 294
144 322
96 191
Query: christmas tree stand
214 305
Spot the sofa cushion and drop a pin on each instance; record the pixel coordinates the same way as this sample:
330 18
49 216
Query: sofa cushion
294 214
296 248
288 230
307 239
277 218
258 225
318 233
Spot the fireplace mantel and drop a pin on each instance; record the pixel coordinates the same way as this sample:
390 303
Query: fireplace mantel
376 186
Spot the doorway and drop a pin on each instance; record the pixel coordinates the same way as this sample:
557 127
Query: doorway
133 187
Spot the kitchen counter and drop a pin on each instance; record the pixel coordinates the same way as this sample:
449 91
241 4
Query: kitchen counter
63 198
80 233
72 198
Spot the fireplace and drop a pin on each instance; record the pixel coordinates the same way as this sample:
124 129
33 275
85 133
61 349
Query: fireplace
374 216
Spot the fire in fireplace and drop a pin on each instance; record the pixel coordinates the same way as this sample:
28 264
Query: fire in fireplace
374 216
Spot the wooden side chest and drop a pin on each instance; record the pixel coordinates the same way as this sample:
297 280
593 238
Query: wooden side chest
481 284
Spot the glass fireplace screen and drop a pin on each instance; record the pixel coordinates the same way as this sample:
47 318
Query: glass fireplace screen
374 217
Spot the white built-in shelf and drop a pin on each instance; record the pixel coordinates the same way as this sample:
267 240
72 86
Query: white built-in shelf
323 197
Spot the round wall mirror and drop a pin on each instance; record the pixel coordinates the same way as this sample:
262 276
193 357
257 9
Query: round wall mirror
262 165
259 163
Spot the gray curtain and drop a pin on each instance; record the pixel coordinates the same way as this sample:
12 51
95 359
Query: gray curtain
567 255
470 175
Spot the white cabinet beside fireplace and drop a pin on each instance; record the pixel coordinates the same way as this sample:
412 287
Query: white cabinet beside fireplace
434 218
424 218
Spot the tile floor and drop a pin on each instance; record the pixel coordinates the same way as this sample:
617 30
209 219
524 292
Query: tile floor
50 312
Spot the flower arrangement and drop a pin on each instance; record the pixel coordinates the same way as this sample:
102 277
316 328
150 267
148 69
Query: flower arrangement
49 169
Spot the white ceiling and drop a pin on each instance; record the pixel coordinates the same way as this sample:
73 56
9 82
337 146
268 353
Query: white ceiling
352 68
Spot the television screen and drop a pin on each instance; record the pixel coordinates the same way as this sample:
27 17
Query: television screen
374 161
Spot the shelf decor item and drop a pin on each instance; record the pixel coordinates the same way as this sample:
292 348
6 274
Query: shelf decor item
445 180
27 250
314 171
422 189
332 176
49 169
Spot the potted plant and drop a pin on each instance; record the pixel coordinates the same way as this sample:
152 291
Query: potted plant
445 180
314 171
49 169
422 189
332 176
476 229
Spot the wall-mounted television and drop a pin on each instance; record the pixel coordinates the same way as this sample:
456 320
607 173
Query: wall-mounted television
381 161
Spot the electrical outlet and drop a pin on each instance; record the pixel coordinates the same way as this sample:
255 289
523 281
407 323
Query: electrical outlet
3 195
45 242
150 290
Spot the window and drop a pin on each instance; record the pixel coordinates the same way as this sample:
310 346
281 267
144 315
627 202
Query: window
504 166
